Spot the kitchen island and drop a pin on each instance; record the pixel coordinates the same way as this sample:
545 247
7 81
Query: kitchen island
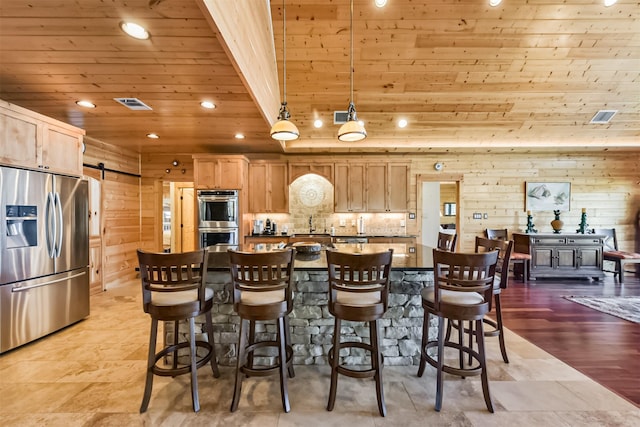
311 323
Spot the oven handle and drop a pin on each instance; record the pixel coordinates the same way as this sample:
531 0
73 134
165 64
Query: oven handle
217 198
218 230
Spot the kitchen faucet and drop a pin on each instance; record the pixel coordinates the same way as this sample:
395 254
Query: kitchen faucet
311 229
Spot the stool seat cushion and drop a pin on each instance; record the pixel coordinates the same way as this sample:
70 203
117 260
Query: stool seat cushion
166 299
621 255
358 299
451 297
519 256
262 298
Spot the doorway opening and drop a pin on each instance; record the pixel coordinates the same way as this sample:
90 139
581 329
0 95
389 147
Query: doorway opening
439 205
178 217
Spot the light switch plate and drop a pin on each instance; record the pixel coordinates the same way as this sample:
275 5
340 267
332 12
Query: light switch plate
343 223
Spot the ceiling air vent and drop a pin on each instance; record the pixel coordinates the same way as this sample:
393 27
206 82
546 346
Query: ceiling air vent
133 103
340 117
603 116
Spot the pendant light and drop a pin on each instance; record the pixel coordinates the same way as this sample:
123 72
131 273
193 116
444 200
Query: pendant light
283 129
352 130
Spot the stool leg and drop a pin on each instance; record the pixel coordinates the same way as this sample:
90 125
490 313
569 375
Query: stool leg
176 339
334 364
151 361
282 350
252 340
287 330
503 348
376 361
483 365
440 363
214 361
194 370
425 339
242 344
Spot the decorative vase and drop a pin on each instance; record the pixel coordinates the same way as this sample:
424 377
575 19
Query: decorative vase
557 223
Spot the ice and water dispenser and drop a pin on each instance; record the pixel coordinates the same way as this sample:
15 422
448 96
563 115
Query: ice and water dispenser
22 226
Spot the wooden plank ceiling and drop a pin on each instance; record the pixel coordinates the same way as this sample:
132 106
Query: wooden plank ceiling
526 75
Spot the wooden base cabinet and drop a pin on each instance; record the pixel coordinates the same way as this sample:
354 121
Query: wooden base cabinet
566 255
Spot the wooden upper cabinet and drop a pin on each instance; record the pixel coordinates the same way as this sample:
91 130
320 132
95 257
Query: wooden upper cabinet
298 169
268 187
219 172
371 187
397 187
349 187
38 142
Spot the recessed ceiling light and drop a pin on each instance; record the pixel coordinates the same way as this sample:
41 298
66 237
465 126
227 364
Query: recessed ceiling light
402 123
134 30
153 135
494 3
87 104
239 136
317 123
380 3
608 3
208 104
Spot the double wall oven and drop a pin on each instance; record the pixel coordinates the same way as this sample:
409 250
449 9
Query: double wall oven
218 217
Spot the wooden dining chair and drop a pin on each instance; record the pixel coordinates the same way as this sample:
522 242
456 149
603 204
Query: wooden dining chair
611 252
496 233
463 287
520 256
174 289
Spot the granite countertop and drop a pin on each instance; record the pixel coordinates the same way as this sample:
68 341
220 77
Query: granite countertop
405 257
340 236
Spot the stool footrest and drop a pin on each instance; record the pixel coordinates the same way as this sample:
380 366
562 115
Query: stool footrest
352 372
172 372
264 371
461 372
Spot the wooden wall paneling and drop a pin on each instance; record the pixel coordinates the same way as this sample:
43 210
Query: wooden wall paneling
155 166
120 231
151 214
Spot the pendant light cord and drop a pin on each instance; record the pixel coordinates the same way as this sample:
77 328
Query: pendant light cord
284 54
351 70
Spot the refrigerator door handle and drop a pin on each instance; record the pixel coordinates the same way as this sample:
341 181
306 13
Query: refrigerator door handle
60 227
50 225
39 285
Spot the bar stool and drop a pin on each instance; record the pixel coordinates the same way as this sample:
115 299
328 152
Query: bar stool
447 241
358 292
174 289
262 291
501 281
463 286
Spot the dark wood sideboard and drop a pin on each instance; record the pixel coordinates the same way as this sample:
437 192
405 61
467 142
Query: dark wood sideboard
564 255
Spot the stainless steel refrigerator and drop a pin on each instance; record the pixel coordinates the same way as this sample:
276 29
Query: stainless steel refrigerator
44 254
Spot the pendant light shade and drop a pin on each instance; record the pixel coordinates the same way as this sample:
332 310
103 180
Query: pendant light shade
283 129
352 130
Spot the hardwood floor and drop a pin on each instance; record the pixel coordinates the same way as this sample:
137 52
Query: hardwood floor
603 347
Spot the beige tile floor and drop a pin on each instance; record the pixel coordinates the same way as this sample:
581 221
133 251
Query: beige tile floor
92 374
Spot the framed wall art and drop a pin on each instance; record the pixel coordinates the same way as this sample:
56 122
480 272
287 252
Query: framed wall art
547 196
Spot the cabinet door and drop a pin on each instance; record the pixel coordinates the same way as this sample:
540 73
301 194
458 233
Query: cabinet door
590 258
376 188
205 173
356 184
230 174
542 259
258 187
341 188
19 140
61 152
278 191
397 188
566 258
